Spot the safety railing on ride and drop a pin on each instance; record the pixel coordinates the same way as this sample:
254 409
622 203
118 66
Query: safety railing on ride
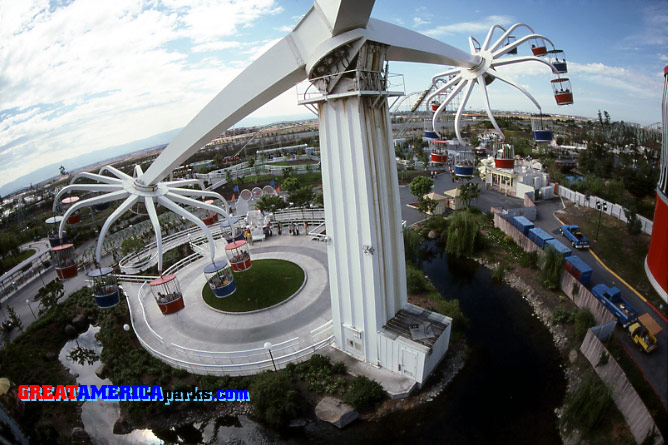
241 362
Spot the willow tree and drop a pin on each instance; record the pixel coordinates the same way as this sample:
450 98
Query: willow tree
462 234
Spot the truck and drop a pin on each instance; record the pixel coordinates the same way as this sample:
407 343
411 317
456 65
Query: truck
611 297
575 236
643 332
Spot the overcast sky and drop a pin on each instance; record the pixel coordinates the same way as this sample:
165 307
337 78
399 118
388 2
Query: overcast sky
79 76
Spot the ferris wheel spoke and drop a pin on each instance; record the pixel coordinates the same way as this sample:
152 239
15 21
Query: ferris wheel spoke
110 220
444 87
165 202
201 193
518 42
445 74
511 83
505 35
482 84
460 109
114 196
96 177
181 182
153 216
485 44
83 188
472 47
511 60
114 171
447 100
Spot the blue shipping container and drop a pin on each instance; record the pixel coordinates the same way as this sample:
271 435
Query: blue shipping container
522 224
578 268
539 236
559 247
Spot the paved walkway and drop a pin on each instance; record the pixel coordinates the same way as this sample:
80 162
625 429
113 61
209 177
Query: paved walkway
202 339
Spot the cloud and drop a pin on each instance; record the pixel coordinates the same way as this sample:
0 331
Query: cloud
419 21
88 75
470 27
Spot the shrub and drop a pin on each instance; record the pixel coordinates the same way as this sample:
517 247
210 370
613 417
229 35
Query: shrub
274 398
339 368
583 321
561 315
499 273
529 259
585 407
363 393
415 280
451 309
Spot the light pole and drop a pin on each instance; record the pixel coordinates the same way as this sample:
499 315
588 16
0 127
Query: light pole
29 307
602 207
268 346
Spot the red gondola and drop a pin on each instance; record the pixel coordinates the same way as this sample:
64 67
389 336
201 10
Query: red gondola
74 218
167 294
207 216
562 91
439 151
64 259
538 47
237 253
504 155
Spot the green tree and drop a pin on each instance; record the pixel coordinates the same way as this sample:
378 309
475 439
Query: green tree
274 397
633 224
83 355
552 265
584 320
49 295
468 192
420 186
302 196
290 184
14 318
426 204
462 234
270 203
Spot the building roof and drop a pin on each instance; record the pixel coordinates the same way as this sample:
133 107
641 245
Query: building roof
435 196
417 324
452 193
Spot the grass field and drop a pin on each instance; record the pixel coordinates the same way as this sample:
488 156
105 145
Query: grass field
266 283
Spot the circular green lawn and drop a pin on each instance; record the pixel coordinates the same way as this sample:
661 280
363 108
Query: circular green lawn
266 283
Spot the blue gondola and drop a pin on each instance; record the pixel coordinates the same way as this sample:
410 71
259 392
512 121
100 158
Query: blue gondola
220 278
105 287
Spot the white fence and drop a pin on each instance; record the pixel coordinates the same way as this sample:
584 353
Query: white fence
614 210
242 170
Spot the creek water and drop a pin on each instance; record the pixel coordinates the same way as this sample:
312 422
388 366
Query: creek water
506 393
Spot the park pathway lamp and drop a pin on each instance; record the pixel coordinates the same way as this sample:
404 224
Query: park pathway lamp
601 207
268 346
29 307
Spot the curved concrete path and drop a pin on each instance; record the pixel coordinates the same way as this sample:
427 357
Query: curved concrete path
201 339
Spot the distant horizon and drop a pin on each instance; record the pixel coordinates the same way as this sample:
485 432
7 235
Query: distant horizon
245 123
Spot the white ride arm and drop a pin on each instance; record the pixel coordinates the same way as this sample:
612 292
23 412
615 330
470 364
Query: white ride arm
114 196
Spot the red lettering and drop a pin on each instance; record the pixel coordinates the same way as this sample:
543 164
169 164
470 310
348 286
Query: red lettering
47 392
73 389
60 394
24 392
35 392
